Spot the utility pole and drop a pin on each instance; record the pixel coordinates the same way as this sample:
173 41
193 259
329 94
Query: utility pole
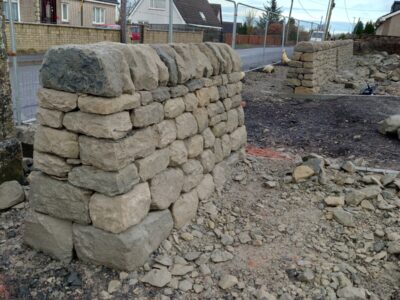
171 22
122 18
328 18
320 24
288 24
82 13
354 25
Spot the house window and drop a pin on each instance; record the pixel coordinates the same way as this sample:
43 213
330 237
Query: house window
202 15
99 15
14 8
64 12
158 4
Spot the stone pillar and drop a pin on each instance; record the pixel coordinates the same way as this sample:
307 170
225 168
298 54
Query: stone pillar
131 138
10 148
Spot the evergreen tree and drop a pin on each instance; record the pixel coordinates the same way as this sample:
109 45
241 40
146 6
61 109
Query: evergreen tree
359 28
273 15
369 28
242 28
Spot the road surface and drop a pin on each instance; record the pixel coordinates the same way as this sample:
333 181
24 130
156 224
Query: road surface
29 65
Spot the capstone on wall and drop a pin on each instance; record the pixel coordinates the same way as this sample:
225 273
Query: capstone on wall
131 138
313 64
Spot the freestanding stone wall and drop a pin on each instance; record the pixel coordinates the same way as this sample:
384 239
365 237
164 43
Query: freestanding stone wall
313 64
131 137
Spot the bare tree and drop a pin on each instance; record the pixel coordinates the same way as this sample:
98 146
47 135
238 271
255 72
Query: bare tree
250 20
123 21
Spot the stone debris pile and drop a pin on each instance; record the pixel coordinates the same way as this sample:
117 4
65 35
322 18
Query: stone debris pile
390 125
131 137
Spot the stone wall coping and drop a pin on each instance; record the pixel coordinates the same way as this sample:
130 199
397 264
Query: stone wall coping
310 47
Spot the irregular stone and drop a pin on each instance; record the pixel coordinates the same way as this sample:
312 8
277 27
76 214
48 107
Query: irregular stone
215 63
227 281
185 285
193 174
233 120
220 256
349 167
11 160
167 133
236 101
165 188
334 201
219 155
220 175
104 182
147 115
51 164
113 286
49 235
108 106
215 108
157 277
59 199
186 126
201 116
191 102
343 217
161 94
49 117
153 164
118 213
194 145
59 142
178 153
226 145
204 97
219 129
238 138
217 119
351 293
180 270
355 197
194 84
113 126
206 188
11 193
174 107
57 100
209 138
390 124
127 250
302 173
145 97
185 209
169 61
179 91
394 247
208 161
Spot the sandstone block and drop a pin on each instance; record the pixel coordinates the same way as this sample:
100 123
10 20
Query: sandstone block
57 100
107 106
49 117
226 145
235 77
174 107
51 164
108 183
59 142
114 126
147 115
204 96
215 108
240 115
161 94
167 132
145 97
214 93
165 188
233 120
219 155
11 193
194 145
191 102
220 174
185 209
178 91
178 153
59 199
220 129
207 159
127 250
49 235
217 119
201 116
209 138
153 164
118 213
236 101
238 138
193 174
194 84
186 126
206 188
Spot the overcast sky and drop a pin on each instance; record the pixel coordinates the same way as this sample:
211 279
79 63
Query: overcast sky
312 10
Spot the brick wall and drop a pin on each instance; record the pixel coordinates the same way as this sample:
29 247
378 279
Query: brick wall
161 37
313 64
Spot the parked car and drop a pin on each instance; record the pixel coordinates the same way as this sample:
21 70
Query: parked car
136 36
317 36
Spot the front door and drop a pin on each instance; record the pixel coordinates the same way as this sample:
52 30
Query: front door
48 11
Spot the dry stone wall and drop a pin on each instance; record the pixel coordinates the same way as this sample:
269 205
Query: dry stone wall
313 64
131 138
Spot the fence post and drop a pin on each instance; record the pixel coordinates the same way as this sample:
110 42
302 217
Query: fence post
283 33
298 32
265 36
14 77
171 22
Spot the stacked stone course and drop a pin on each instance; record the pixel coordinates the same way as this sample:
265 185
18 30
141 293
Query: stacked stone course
313 64
131 138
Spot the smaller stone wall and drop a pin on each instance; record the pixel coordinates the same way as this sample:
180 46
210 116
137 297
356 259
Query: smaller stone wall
371 43
313 64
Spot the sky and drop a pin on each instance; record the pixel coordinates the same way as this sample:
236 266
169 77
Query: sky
312 10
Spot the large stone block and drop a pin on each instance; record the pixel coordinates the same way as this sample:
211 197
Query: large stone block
174 107
51 164
57 100
60 142
50 235
191 102
114 126
166 131
178 153
201 116
165 188
238 138
207 159
127 250
209 138
108 183
206 188
107 106
11 193
153 164
11 160
185 209
194 145
49 117
186 126
59 198
118 213
147 115
88 69
193 174
233 120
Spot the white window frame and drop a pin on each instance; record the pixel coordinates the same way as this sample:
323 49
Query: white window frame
5 4
63 18
102 19
153 6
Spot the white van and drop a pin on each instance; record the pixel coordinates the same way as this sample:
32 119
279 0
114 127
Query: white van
317 36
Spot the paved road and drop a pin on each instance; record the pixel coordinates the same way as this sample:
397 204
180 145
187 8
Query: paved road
256 57
29 65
